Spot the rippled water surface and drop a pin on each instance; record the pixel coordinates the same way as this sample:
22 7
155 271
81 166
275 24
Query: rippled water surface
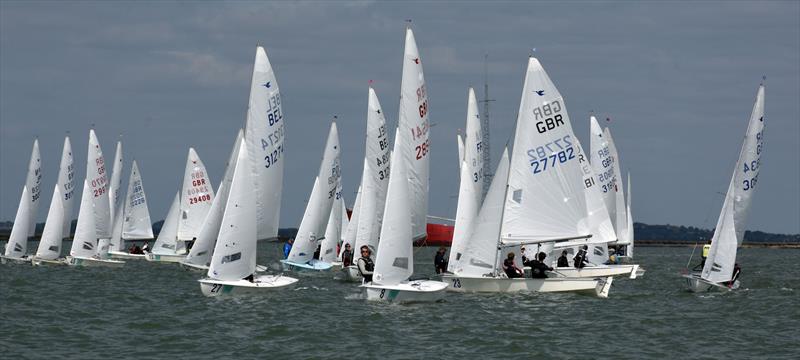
147 310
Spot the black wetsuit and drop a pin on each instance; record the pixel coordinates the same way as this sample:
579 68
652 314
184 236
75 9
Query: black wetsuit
510 269
562 261
580 259
539 270
440 263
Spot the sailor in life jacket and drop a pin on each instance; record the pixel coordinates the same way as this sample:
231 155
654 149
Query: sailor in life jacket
365 264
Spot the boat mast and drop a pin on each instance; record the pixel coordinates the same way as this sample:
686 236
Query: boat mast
485 147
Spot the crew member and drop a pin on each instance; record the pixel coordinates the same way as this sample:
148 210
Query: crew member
580 259
440 261
347 256
562 260
539 268
365 264
511 269
287 248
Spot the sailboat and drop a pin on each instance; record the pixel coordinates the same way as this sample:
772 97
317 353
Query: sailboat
264 132
93 216
57 225
186 214
315 219
85 242
470 189
718 268
25 220
367 217
394 263
624 219
233 264
536 196
133 221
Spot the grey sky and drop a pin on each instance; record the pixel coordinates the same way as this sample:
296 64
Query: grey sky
677 79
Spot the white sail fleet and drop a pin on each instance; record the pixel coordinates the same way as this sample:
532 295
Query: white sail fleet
549 196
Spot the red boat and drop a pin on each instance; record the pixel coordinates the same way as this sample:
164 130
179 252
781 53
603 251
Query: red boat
438 235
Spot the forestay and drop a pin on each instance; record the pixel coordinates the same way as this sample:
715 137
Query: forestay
196 197
414 126
729 232
394 262
234 255
545 197
470 188
264 133
52 235
315 218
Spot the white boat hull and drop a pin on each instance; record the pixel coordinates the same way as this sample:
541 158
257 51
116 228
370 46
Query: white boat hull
204 268
165 258
14 260
261 284
596 271
93 262
336 265
697 284
314 265
407 291
351 274
126 256
42 262
599 287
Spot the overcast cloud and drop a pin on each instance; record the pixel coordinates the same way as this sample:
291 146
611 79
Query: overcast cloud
677 79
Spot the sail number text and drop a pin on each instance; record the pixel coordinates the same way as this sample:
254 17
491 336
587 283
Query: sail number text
557 152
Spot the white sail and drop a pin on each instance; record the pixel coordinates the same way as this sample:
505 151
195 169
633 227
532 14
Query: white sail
597 215
480 253
352 226
115 186
137 224
620 221
545 197
318 210
414 126
628 238
234 255
116 243
17 244
395 259
203 247
84 243
603 167
52 235
265 135
167 241
333 231
98 186
460 142
66 180
729 232
34 184
196 197
377 161
470 188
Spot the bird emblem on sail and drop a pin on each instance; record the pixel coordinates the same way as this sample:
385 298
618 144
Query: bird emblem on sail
416 61
539 92
267 85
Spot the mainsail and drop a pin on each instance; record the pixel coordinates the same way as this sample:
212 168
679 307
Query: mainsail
196 197
729 232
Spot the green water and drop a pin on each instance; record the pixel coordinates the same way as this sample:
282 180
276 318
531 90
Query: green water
147 310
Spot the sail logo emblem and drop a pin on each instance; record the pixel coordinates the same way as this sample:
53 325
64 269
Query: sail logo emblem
761 119
267 85
539 92
416 61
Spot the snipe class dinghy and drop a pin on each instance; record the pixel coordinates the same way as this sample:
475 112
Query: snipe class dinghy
25 220
718 269
536 196
133 221
394 263
187 213
365 224
315 219
233 264
57 225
